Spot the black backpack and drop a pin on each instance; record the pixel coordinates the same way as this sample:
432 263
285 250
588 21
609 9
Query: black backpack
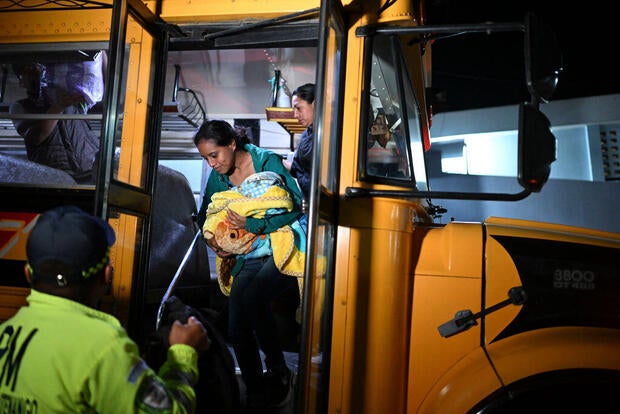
217 389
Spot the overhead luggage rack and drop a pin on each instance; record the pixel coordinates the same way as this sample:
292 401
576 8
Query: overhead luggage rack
284 117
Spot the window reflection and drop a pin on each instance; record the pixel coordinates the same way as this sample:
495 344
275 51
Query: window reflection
135 105
387 156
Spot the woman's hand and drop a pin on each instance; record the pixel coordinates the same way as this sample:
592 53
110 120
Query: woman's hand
235 220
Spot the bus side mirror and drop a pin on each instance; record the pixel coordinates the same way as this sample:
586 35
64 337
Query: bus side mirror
543 59
537 145
537 148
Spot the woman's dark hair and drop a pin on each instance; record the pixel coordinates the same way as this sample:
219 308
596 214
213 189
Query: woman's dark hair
305 92
222 133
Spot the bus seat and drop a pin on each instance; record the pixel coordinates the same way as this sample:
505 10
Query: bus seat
15 169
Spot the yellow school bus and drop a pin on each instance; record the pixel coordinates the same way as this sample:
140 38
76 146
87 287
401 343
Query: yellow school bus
399 314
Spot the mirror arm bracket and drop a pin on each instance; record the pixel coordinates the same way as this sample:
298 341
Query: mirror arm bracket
490 27
357 192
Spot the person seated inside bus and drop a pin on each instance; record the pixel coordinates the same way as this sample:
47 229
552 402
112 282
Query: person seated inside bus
384 156
69 145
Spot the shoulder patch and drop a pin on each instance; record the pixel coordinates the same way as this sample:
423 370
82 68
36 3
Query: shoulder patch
153 395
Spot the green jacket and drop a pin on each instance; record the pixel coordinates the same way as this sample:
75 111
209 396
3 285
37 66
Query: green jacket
263 160
59 356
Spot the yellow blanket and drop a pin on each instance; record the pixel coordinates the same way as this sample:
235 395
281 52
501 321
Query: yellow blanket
288 243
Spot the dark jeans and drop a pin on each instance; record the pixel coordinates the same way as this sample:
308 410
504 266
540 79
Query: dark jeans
251 318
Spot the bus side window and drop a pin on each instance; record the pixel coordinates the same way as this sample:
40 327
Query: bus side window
67 143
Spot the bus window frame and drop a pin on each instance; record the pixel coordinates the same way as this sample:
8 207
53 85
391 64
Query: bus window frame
313 377
130 205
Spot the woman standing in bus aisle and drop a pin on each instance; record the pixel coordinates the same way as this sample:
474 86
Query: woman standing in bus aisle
303 110
257 282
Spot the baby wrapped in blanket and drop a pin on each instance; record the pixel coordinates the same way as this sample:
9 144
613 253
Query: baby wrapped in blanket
259 195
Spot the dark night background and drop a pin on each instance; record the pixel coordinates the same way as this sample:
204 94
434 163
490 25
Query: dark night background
477 70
